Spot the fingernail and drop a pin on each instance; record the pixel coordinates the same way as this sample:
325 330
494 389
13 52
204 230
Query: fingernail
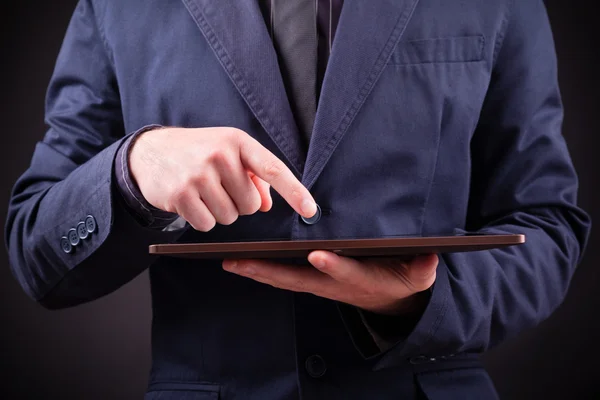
309 208
320 263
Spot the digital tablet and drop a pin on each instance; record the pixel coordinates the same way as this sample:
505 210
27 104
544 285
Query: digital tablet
381 247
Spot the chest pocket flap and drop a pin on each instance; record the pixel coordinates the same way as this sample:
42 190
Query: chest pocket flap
439 50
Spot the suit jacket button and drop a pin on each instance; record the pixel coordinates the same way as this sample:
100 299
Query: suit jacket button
315 366
82 231
73 237
65 245
314 219
90 224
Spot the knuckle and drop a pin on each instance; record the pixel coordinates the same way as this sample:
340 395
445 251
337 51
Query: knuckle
201 180
218 157
250 205
238 137
233 134
229 218
272 170
190 180
296 193
206 225
231 138
178 197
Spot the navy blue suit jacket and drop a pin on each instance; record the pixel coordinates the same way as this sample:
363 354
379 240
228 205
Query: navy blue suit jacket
435 117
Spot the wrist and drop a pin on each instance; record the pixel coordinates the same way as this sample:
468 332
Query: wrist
136 149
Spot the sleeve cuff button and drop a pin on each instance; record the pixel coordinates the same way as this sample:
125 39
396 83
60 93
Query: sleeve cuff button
73 237
90 224
65 245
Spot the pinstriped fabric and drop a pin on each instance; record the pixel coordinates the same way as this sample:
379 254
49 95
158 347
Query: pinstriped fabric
327 17
294 30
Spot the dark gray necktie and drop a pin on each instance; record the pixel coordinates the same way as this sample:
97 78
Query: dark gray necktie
294 32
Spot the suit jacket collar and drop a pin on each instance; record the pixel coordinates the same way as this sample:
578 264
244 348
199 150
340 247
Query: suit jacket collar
238 35
366 35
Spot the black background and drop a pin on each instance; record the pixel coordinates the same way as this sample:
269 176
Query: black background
101 350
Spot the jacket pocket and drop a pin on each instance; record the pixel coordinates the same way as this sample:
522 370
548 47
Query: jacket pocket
457 384
182 391
439 50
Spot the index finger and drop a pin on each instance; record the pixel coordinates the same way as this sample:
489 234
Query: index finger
266 166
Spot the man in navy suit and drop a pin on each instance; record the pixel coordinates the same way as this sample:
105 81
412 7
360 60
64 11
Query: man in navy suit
169 121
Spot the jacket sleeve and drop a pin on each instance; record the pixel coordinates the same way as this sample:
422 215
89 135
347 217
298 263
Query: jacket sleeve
71 179
523 181
144 212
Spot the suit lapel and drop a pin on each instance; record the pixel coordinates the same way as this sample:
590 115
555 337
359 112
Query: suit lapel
237 33
367 33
